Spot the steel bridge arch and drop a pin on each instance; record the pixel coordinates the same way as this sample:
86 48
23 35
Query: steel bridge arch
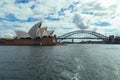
100 36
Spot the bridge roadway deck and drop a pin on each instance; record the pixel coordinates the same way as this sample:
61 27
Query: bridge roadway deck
77 38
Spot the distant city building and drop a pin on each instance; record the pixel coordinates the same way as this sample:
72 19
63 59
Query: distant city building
111 39
117 39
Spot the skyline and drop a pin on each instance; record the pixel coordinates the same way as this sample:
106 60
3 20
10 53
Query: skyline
62 16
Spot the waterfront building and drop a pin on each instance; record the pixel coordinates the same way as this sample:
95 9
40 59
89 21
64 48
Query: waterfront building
117 39
35 32
111 39
37 35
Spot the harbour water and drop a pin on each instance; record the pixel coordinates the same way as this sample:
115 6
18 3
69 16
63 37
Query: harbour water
66 62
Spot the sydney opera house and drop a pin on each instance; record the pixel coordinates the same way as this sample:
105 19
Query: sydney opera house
35 32
37 35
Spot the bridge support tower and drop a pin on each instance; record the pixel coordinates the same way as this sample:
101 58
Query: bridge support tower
72 40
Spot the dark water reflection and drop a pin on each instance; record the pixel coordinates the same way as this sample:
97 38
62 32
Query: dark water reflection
70 62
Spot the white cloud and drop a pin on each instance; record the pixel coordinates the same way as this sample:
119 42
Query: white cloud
103 10
78 20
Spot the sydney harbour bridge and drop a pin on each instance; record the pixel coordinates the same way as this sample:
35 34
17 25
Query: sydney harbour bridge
69 34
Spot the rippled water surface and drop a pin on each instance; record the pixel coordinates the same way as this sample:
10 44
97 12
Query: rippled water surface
68 62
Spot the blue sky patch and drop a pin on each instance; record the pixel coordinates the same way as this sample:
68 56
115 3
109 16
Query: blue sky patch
32 7
16 26
1 19
110 30
32 19
52 19
88 13
70 7
11 17
61 12
6 27
102 24
3 4
21 1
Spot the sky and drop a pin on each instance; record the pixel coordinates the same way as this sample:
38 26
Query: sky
102 16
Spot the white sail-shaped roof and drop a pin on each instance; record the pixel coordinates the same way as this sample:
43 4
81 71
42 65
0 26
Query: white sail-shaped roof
34 31
21 34
45 33
41 31
50 32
